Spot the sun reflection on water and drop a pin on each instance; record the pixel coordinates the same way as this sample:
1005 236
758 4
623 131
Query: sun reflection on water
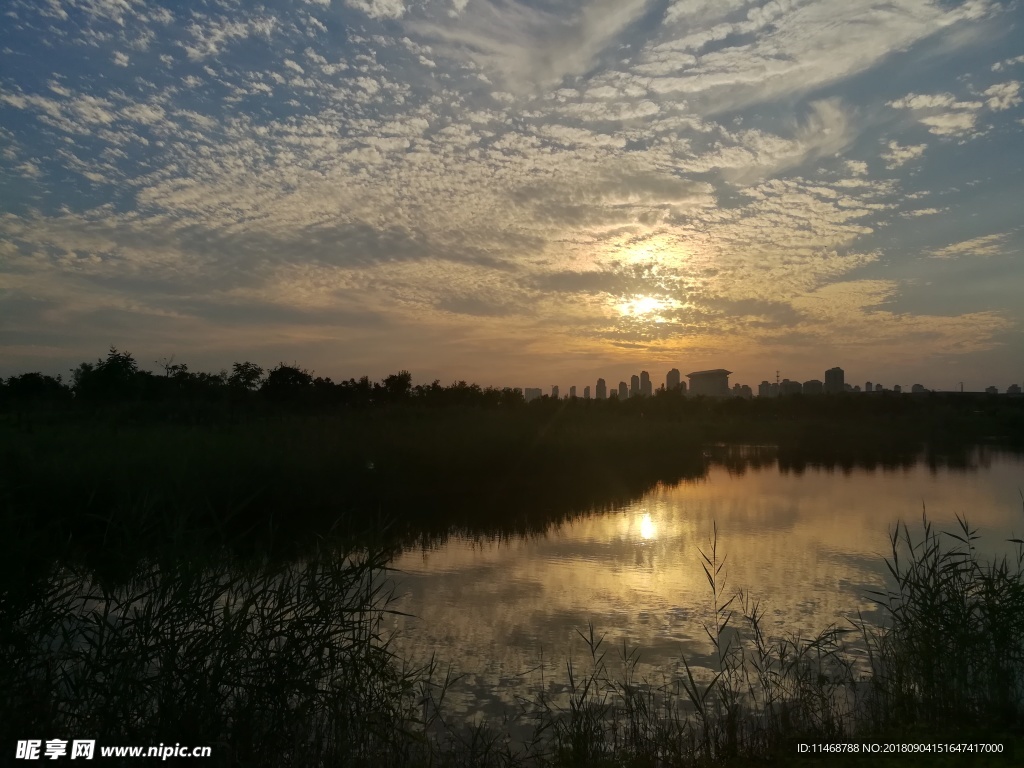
648 530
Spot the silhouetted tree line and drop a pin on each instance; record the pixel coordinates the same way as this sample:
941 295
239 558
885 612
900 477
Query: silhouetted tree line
819 421
118 379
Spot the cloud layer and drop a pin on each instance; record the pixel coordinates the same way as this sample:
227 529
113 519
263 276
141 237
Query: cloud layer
505 190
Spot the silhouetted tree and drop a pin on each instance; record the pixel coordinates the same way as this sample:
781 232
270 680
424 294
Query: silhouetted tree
287 383
247 376
116 378
398 386
34 388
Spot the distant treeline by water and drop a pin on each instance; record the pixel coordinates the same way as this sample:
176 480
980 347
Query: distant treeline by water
117 388
255 450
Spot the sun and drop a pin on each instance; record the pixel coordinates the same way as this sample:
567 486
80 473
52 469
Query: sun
642 305
648 530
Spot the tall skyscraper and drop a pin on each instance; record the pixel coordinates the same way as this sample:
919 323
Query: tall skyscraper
554 391
835 380
623 390
672 379
586 392
646 388
572 392
634 386
602 390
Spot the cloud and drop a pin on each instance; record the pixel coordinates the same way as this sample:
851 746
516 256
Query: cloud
858 312
211 36
1003 96
898 155
379 9
1000 66
532 49
826 131
783 49
505 173
986 245
944 115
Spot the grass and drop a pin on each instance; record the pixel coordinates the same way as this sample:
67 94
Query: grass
269 664
284 662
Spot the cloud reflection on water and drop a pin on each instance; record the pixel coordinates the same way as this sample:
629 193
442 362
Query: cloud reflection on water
807 545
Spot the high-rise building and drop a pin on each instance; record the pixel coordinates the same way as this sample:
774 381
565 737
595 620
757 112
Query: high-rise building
645 384
869 387
634 386
813 387
764 389
879 388
713 383
554 391
623 390
531 393
572 392
835 379
787 387
586 392
1013 389
742 390
991 390
602 390
917 389
672 379
897 388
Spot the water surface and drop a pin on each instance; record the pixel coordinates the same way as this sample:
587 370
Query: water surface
808 544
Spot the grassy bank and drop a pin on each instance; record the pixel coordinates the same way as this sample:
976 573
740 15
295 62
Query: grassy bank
284 663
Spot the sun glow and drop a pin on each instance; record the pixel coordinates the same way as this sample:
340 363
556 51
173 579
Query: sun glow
642 305
648 530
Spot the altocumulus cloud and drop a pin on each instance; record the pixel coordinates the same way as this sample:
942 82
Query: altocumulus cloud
493 189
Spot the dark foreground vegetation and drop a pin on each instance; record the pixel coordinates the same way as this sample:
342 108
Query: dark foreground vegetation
202 559
252 450
274 663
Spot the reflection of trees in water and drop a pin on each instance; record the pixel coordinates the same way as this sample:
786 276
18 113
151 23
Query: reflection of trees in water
570 496
848 455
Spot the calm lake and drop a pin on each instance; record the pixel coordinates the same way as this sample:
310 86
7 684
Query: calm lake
808 543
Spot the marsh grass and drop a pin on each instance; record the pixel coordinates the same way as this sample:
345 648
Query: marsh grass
285 662
270 664
954 649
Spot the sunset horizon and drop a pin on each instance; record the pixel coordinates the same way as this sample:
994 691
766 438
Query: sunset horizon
517 194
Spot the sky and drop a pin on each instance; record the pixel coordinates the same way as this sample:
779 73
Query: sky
516 192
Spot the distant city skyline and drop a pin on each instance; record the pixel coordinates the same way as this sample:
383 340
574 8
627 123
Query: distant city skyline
588 388
513 192
832 380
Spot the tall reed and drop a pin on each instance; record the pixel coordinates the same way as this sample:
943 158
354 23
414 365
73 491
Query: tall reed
270 664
